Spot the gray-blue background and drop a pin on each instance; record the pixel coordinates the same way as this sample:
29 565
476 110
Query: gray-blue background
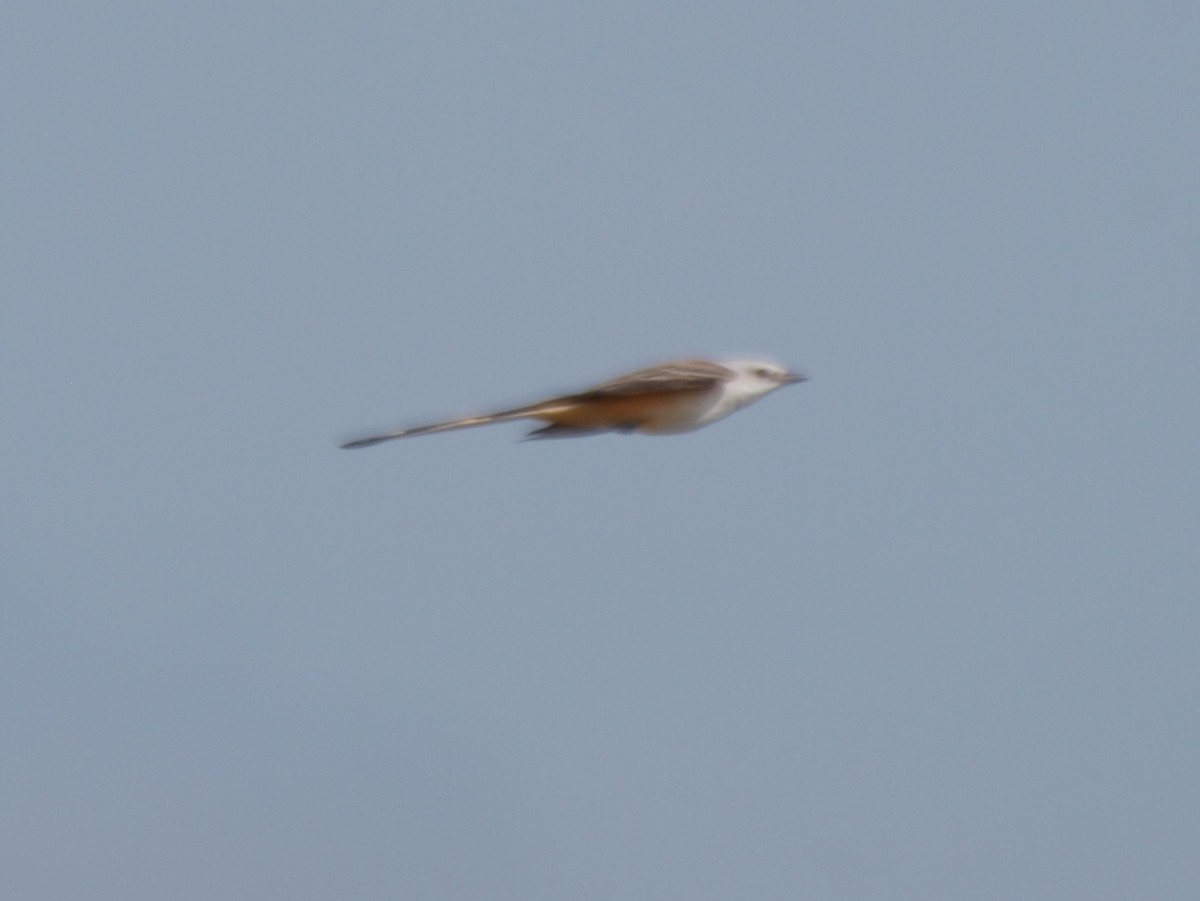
924 627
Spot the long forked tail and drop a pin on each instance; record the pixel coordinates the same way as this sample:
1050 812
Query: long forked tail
467 422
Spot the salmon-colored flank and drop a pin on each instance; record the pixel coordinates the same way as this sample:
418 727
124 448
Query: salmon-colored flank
633 411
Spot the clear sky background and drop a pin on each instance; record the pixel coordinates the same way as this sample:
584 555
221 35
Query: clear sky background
924 627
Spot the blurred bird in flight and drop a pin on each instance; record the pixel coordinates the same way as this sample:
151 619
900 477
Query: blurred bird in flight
661 400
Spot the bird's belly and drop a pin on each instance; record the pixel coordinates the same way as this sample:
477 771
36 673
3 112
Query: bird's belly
658 413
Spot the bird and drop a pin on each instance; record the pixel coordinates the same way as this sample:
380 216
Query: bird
667 399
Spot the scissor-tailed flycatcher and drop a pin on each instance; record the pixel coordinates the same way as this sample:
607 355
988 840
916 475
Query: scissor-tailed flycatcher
661 400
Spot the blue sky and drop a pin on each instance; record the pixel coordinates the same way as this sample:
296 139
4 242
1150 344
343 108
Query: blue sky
922 627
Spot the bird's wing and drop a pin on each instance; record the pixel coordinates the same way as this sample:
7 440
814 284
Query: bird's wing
683 375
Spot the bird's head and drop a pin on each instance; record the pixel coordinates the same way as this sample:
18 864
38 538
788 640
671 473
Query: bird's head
759 377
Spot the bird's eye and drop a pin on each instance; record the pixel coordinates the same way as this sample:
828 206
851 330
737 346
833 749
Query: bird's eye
763 373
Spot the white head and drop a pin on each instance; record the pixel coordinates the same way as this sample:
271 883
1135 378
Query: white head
759 377
753 379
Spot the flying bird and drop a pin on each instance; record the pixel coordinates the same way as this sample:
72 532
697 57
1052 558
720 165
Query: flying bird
661 400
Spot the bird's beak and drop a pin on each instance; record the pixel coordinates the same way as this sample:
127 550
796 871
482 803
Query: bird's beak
793 378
